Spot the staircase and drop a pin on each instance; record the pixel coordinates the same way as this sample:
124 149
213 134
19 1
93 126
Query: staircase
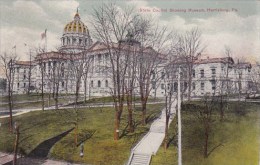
139 159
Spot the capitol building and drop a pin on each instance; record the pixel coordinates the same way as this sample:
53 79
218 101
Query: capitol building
78 55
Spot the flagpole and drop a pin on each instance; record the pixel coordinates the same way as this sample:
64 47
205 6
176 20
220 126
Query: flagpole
46 40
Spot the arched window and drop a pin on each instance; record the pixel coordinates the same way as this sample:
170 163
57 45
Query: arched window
106 83
99 83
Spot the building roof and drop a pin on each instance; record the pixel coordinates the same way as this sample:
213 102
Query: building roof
215 60
243 65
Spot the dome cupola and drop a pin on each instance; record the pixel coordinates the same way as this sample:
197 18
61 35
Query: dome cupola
75 36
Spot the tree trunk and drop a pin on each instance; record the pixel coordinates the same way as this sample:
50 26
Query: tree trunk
116 126
221 108
189 85
166 132
129 99
10 109
143 112
206 142
85 91
42 95
76 135
16 145
130 114
49 100
57 97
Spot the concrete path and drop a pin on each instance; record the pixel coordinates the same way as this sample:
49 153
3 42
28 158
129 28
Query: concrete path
152 141
17 112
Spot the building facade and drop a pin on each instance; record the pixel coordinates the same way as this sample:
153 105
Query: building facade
79 56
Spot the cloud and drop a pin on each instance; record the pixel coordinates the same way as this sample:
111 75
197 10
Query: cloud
65 7
19 36
237 32
24 21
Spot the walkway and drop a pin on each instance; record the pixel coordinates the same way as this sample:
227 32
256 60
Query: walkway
17 112
150 143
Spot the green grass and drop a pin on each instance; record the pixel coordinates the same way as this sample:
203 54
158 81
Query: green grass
22 97
238 135
30 97
99 149
109 99
36 104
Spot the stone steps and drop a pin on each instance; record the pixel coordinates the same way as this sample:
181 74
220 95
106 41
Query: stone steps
140 159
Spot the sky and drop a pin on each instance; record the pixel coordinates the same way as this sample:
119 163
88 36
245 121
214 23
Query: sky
223 23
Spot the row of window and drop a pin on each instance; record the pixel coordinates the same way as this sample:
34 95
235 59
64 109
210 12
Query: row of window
202 74
18 85
175 86
99 84
74 41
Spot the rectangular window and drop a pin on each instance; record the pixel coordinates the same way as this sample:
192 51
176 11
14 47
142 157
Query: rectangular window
92 84
162 86
193 86
193 73
99 83
213 85
99 57
106 83
213 72
202 73
107 56
202 86
24 84
153 84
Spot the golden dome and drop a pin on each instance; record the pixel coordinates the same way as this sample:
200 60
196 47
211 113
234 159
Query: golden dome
76 26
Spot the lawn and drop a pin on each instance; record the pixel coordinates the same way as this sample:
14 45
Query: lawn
237 137
109 99
100 148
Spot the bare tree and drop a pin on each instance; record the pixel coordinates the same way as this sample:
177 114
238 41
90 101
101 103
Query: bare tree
206 117
190 47
16 143
30 73
170 95
42 70
78 66
150 58
7 63
225 84
111 26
